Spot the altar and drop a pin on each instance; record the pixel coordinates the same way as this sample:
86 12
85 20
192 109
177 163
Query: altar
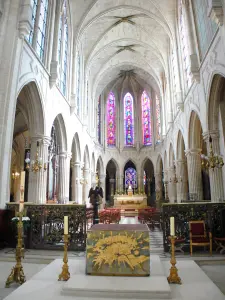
118 250
135 201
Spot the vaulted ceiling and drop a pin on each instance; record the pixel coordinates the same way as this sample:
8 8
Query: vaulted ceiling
116 35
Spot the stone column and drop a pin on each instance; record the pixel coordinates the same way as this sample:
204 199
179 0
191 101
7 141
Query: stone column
194 64
195 173
102 184
86 186
76 186
215 175
37 188
140 184
166 185
158 190
182 177
112 181
64 165
93 179
172 185
120 188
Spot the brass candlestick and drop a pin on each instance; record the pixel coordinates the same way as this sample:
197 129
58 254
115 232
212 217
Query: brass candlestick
65 274
173 277
17 274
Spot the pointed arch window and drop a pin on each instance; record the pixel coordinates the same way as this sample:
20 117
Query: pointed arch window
37 36
99 120
146 119
128 120
158 119
63 39
111 120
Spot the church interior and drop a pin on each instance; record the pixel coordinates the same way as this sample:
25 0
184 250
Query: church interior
112 149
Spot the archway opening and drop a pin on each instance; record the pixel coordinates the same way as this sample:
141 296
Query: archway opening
130 176
110 182
149 182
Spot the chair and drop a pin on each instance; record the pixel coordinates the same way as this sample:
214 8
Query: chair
198 235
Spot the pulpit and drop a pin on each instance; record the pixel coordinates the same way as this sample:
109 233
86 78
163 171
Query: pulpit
118 250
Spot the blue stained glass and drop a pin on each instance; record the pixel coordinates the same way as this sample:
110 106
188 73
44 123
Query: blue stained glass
41 34
131 178
128 120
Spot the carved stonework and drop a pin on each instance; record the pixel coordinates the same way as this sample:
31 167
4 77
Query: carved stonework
215 11
25 22
180 106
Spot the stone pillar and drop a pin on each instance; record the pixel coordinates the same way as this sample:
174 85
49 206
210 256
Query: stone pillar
182 177
140 184
215 175
86 186
120 188
195 173
93 179
172 185
194 64
102 185
37 188
166 185
158 190
64 165
76 186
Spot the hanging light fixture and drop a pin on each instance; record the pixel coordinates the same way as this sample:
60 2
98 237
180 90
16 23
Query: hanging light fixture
213 160
35 165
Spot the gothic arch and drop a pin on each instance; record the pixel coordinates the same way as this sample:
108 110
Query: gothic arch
86 158
180 146
30 103
93 162
100 166
76 148
115 163
61 132
165 161
171 156
131 160
195 132
159 164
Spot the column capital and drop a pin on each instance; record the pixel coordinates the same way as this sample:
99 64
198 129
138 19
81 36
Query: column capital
213 133
193 152
43 139
65 154
185 3
181 161
215 11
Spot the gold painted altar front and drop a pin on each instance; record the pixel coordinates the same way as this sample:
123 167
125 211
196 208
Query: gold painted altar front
118 250
134 201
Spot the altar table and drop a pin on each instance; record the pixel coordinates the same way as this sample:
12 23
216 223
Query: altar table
118 250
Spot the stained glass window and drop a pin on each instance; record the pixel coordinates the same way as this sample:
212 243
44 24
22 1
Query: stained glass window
158 119
131 178
144 178
206 27
34 11
63 48
128 120
41 34
184 46
111 120
146 119
99 120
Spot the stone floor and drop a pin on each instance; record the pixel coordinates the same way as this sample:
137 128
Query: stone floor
35 260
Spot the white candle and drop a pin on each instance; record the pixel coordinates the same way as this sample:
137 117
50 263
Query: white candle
22 185
21 205
172 226
65 224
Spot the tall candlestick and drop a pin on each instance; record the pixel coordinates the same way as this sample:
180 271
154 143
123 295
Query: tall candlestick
21 205
22 185
172 226
65 224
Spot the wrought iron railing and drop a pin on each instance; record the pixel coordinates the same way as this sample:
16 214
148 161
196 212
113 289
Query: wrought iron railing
47 225
211 213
